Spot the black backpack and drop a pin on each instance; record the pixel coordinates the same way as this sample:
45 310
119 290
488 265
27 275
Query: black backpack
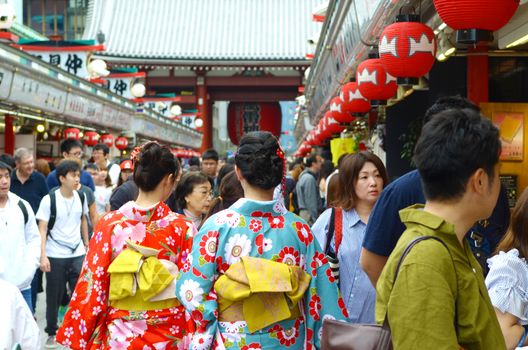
53 214
24 211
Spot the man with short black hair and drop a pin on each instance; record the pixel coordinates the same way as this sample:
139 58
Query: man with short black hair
64 235
210 162
307 190
439 299
71 149
19 238
100 155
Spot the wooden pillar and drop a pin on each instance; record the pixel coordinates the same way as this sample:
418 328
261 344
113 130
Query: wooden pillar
478 75
9 135
202 104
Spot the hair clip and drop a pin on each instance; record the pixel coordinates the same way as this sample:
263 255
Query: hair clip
134 155
280 153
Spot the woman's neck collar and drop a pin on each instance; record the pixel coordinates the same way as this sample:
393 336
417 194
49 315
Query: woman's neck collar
257 194
192 213
148 199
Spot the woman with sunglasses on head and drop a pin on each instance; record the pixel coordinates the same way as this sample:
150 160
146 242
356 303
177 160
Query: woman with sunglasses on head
125 295
193 196
258 277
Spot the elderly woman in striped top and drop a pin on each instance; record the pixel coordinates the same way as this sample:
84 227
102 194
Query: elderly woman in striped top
507 280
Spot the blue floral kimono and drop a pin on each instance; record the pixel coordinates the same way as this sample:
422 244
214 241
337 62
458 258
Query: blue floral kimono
247 230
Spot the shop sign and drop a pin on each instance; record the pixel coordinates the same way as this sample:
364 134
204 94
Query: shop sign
511 128
76 107
27 91
119 86
72 62
6 78
509 182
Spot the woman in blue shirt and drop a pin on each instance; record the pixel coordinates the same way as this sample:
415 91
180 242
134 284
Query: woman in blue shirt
362 177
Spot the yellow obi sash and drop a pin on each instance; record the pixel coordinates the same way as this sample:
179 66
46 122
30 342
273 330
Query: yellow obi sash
261 292
141 281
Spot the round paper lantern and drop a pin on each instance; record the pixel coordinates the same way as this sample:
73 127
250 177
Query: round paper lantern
121 143
407 49
243 117
352 100
337 111
374 82
324 133
476 14
90 138
310 138
107 139
332 126
71 133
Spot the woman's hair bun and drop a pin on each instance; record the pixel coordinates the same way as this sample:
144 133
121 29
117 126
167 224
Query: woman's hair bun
152 164
258 158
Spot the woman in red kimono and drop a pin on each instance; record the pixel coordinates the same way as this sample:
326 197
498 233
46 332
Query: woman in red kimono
125 296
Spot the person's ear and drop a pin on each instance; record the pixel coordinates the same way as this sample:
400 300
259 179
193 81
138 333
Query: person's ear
479 181
238 173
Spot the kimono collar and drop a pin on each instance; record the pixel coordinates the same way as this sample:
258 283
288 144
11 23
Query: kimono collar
132 211
252 207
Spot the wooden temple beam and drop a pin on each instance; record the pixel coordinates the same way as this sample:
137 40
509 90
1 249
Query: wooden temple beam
271 81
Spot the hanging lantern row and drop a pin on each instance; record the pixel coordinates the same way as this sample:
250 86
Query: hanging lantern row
184 153
92 138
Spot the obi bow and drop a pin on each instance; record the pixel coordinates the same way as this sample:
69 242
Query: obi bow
141 281
261 292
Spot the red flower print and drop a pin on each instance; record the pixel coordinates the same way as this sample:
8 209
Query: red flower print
257 214
208 246
222 266
259 242
304 232
289 256
329 275
309 341
288 337
342 306
255 225
276 221
319 259
315 307
252 346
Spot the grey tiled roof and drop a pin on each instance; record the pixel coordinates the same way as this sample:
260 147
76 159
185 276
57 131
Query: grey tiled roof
204 29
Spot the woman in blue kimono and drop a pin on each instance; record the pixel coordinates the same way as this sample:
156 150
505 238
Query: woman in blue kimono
257 279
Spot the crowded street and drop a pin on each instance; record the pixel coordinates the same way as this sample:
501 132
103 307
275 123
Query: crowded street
263 174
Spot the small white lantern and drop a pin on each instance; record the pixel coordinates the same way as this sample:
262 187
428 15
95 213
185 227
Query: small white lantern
97 68
138 90
176 110
7 16
198 122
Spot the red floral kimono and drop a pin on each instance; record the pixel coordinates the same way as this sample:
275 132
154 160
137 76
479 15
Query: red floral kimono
93 321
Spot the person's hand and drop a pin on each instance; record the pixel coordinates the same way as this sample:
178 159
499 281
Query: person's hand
45 264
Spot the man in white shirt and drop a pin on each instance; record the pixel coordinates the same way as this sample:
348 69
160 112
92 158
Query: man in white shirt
64 234
17 325
100 156
19 237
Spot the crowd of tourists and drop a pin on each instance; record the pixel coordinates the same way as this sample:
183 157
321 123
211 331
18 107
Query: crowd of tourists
259 253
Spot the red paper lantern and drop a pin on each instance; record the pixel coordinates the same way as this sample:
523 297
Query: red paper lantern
407 50
71 133
374 82
310 138
490 15
337 111
243 117
332 126
107 139
90 138
352 100
121 143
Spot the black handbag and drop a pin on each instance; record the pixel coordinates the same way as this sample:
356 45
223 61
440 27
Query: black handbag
339 335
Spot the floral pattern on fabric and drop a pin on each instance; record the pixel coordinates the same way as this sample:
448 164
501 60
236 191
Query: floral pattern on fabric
91 323
263 230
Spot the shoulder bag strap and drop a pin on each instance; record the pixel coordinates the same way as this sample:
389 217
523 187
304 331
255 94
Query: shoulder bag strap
338 228
330 232
24 211
402 257
53 210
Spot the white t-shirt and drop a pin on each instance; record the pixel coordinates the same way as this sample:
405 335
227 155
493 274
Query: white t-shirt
102 198
114 171
66 231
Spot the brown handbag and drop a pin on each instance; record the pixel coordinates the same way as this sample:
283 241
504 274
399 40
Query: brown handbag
339 335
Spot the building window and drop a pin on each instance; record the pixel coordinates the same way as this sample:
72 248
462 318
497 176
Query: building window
57 19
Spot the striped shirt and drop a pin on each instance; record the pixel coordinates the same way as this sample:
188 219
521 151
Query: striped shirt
507 284
357 291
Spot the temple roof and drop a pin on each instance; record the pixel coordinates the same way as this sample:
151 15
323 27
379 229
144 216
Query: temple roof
225 30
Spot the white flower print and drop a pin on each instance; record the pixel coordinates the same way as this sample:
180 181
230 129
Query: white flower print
191 295
82 343
170 240
98 236
268 244
105 247
229 217
68 332
279 207
95 259
201 341
67 342
76 314
121 330
82 327
302 261
237 247
174 329
99 271
96 310
233 337
233 327
74 296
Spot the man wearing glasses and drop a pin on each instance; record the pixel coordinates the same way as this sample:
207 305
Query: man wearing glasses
72 150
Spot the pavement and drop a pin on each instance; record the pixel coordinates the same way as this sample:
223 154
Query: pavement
40 314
